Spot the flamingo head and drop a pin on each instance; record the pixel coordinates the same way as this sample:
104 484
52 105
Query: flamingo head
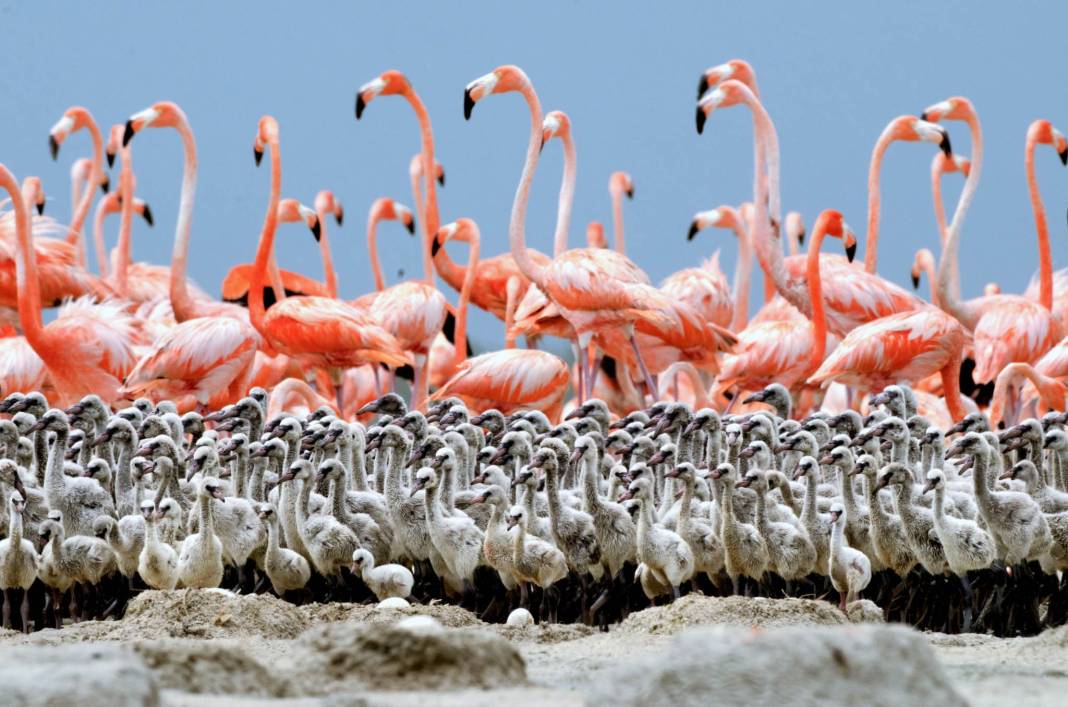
327 203
266 134
33 193
719 217
463 229
292 211
955 108
386 209
728 93
501 80
163 114
390 83
555 124
833 224
737 69
74 119
1045 134
912 129
621 183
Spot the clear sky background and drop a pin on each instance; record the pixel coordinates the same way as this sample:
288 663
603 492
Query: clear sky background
626 73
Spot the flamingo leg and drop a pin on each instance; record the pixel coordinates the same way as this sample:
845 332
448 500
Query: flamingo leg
595 369
650 386
582 363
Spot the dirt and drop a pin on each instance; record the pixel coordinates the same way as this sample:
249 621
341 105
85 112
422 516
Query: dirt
211 667
449 615
697 610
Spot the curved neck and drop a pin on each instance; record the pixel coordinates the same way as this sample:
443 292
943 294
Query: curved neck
329 274
871 247
415 172
266 246
99 215
95 174
126 188
936 196
947 267
742 271
431 217
567 197
29 288
1045 259
926 262
517 223
181 302
617 221
372 249
815 290
460 333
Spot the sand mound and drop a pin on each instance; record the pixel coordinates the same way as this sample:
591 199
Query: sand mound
1051 639
346 657
215 667
697 610
813 665
448 615
961 640
865 611
545 633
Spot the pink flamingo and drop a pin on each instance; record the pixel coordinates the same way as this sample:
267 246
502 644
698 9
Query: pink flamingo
619 185
1046 392
736 308
320 331
86 348
74 119
852 296
295 397
1005 328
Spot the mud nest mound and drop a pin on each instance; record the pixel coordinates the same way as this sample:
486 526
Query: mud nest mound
210 667
545 633
447 615
349 656
697 610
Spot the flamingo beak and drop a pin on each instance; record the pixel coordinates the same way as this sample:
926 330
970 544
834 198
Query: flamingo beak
146 214
701 118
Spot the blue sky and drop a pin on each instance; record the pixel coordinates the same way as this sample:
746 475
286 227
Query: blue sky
624 71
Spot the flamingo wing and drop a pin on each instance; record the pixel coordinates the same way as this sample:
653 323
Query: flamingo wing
1014 329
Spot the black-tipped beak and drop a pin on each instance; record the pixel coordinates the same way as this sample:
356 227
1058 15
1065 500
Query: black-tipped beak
946 149
694 228
53 147
851 251
257 155
441 178
339 217
435 246
801 238
542 148
317 230
1063 154
147 216
110 156
630 193
915 282
40 209
701 118
127 133
410 226
469 104
360 105
702 86
105 186
923 117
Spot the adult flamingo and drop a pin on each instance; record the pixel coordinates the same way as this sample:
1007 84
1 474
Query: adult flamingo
597 291
86 348
1005 328
705 287
852 296
415 175
413 311
902 128
166 114
941 165
509 380
112 204
326 204
788 351
319 331
1010 397
81 171
74 119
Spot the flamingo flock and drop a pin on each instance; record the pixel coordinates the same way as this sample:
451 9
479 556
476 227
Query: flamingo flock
833 340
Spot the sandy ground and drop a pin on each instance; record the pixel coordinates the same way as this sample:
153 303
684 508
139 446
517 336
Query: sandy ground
215 648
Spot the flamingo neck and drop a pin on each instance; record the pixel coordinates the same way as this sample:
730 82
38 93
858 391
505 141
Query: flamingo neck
266 246
431 217
415 172
948 272
98 237
126 188
1045 258
372 249
181 302
815 290
742 271
871 247
928 265
936 195
517 223
95 173
329 274
567 197
460 333
617 221
951 388
29 300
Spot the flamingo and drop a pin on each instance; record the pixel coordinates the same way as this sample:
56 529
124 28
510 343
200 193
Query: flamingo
1006 328
320 331
112 204
944 165
789 350
1048 393
328 204
852 296
704 287
86 348
595 237
74 119
414 311
81 171
415 174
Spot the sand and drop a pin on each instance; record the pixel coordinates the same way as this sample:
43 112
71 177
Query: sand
212 647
